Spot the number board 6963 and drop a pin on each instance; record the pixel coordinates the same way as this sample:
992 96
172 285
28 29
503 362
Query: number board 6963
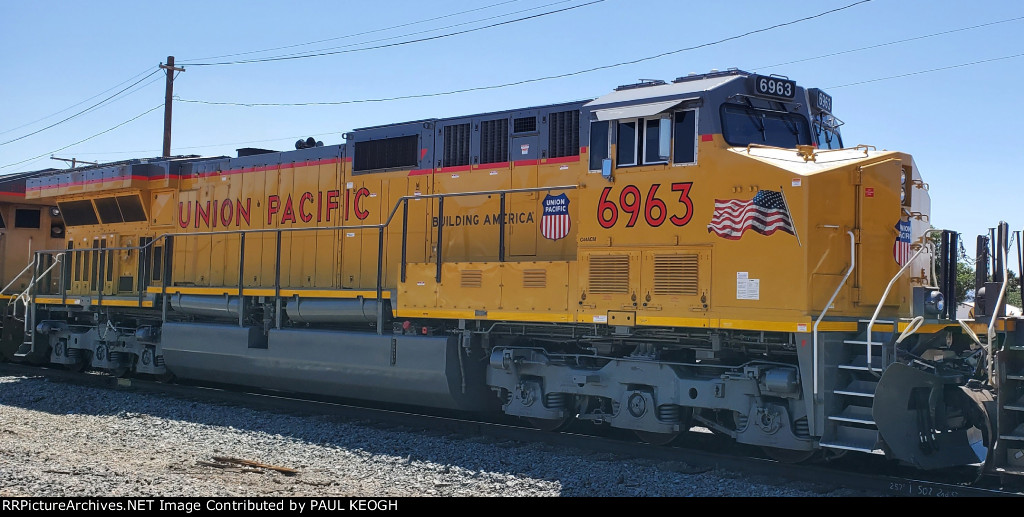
774 87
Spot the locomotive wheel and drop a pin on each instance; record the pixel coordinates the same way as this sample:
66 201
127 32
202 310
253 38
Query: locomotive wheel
657 438
550 424
788 455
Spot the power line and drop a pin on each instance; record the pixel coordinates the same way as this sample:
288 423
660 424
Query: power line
419 40
429 30
926 71
86 110
140 115
366 32
943 33
533 80
340 132
74 105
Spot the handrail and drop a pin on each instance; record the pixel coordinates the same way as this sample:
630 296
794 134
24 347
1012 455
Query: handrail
24 296
386 223
970 333
912 327
401 201
862 147
814 340
763 146
885 295
16 277
990 333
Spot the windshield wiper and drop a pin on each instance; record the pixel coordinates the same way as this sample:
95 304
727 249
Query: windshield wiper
755 117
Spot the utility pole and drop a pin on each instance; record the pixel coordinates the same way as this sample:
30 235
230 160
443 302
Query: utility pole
73 161
169 67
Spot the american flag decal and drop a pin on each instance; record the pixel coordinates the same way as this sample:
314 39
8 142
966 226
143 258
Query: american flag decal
555 223
901 248
766 214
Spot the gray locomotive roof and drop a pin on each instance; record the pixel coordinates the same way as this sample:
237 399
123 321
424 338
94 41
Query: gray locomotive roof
661 93
514 111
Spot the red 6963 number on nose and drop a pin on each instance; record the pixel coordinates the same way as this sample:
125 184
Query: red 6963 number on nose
632 203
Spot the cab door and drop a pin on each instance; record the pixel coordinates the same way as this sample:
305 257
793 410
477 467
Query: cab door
880 219
107 267
359 246
127 266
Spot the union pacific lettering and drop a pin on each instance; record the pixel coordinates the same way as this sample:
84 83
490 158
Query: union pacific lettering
323 207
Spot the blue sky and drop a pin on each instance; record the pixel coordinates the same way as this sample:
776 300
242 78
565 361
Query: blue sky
959 123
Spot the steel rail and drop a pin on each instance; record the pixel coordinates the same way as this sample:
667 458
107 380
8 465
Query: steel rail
695 451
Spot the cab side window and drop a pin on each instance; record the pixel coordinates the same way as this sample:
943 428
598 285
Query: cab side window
643 141
599 144
626 140
685 141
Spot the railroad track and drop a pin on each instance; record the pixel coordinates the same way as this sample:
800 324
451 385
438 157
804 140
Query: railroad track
693 450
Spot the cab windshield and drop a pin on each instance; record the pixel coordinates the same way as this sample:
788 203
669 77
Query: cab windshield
826 127
744 125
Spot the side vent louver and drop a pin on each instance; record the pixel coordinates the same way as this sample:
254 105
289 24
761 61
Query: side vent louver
456 145
535 278
609 274
494 141
564 134
676 275
471 278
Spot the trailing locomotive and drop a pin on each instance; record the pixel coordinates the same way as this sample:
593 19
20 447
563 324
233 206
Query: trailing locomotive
697 252
26 226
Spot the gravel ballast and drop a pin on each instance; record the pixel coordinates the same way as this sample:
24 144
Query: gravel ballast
65 440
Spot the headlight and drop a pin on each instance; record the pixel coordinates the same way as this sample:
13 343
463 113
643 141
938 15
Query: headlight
934 302
903 176
903 195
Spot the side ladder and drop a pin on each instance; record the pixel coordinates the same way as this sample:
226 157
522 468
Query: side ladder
849 424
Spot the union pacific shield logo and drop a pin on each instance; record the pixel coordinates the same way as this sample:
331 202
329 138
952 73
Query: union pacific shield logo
555 223
901 248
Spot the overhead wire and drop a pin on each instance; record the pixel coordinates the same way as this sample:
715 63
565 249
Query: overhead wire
961 65
408 42
86 110
416 22
880 45
430 30
136 117
110 98
526 81
622 64
764 29
497 86
4 132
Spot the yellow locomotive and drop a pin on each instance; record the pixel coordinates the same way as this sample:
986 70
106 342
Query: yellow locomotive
697 252
26 226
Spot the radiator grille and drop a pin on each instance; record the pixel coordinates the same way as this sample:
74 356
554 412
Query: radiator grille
535 278
609 274
494 141
564 134
676 275
524 125
387 153
471 278
456 145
